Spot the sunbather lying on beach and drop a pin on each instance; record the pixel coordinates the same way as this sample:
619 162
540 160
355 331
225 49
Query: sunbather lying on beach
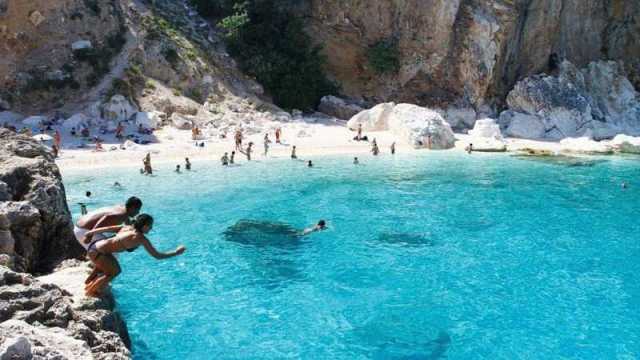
128 238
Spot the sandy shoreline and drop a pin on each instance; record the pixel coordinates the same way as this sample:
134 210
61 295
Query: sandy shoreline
174 145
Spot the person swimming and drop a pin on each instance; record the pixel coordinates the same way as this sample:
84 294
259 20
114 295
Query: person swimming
117 185
320 226
128 238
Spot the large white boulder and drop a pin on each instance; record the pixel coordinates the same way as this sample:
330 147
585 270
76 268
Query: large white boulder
374 119
118 108
486 128
34 120
597 101
76 121
420 127
149 119
626 144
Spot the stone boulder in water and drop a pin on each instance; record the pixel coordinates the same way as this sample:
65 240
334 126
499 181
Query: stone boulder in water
626 144
597 101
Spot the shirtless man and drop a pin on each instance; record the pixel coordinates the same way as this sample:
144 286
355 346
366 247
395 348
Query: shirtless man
109 216
127 238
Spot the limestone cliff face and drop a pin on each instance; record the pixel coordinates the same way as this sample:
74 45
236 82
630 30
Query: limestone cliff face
468 51
33 210
54 50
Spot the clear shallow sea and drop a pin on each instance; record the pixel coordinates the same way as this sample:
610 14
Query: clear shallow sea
433 256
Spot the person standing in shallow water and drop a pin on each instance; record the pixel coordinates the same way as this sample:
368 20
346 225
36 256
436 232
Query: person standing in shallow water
266 143
248 151
309 164
146 162
225 159
374 148
356 161
232 158
101 251
393 148
187 164
293 153
178 169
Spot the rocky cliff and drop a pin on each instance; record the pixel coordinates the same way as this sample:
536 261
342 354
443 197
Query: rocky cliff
49 318
467 51
35 223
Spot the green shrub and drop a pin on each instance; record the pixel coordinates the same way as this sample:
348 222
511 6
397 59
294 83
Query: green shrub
171 55
383 57
270 44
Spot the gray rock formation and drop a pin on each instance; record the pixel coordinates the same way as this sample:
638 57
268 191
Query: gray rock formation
339 108
597 101
49 318
33 200
470 49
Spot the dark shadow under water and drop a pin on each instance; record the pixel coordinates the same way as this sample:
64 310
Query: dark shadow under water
561 160
405 239
270 249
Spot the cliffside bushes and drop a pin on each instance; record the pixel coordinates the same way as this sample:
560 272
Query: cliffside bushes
270 44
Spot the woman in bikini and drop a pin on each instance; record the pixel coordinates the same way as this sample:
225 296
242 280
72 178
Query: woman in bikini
128 238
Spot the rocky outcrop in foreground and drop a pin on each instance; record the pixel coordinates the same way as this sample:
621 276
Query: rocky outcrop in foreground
597 101
49 318
35 223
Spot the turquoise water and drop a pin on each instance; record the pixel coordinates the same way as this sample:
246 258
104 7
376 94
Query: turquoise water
433 256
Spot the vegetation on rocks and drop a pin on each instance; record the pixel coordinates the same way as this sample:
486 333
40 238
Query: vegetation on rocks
383 57
270 44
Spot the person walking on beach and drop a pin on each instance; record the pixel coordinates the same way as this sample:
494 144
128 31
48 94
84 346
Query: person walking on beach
266 143
278 133
238 139
393 148
232 158
187 164
293 152
128 238
109 216
374 148
225 159
146 162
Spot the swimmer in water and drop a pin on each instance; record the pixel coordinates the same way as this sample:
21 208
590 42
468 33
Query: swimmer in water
178 169
117 185
309 164
320 226
101 251
356 161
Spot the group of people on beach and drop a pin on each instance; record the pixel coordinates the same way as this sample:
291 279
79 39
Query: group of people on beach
107 231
